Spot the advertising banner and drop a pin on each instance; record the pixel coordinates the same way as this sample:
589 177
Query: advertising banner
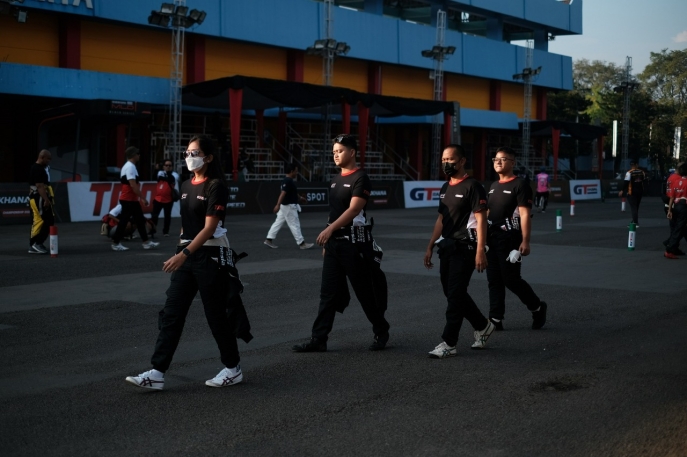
14 204
585 189
421 194
90 201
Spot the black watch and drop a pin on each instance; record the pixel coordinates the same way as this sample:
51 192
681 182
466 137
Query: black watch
186 252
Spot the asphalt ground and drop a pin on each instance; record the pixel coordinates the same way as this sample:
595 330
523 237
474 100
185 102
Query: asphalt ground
604 377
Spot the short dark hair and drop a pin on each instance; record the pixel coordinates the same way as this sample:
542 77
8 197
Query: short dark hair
347 140
131 151
506 150
457 149
289 167
682 169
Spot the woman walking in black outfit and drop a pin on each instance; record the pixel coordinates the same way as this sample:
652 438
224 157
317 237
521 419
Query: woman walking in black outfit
204 263
349 252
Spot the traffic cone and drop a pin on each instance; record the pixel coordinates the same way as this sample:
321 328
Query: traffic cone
53 241
631 237
572 207
623 207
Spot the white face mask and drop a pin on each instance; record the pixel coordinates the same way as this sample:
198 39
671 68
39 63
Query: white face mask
194 163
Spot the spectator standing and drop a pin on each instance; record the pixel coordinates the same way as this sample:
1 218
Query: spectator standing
677 210
131 198
203 262
543 188
462 227
349 252
166 194
41 201
287 210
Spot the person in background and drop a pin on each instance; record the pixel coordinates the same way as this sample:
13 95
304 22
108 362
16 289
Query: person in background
165 193
543 188
287 210
131 198
41 202
677 211
633 189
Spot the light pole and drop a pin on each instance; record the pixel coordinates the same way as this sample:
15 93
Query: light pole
527 76
626 88
328 48
177 17
438 54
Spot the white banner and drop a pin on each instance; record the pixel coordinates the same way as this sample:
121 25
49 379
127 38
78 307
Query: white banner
585 189
90 201
419 194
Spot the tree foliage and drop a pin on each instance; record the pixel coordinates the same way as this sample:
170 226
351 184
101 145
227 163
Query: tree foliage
657 106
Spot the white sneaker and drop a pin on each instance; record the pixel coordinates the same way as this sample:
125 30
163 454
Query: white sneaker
269 243
119 247
150 244
306 245
226 377
147 380
481 336
442 351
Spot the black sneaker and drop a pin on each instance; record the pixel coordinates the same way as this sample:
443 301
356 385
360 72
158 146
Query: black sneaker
498 325
679 252
314 345
379 343
539 317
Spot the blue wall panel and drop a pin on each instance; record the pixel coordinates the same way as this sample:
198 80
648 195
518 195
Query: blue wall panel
296 24
488 58
79 84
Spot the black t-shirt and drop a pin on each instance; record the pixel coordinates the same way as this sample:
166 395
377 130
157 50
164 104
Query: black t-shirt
195 207
505 197
458 204
37 174
343 188
289 186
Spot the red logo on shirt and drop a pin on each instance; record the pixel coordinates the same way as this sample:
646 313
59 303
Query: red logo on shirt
366 192
219 208
482 202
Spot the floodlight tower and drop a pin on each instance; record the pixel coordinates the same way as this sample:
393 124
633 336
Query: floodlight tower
177 17
527 75
329 49
438 53
626 88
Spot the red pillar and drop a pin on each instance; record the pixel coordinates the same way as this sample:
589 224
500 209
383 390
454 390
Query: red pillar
555 137
600 154
195 59
495 96
235 105
363 118
70 43
374 78
294 66
346 117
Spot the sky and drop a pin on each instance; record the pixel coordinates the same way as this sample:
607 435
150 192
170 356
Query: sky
615 29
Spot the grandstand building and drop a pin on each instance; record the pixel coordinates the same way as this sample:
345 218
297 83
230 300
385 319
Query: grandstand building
87 78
